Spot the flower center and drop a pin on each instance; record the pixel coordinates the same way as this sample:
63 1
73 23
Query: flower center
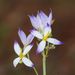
46 36
21 55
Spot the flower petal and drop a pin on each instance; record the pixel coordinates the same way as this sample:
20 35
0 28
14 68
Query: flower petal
41 46
43 17
41 26
37 34
47 30
16 61
50 18
17 48
22 36
27 62
27 49
34 22
29 39
54 41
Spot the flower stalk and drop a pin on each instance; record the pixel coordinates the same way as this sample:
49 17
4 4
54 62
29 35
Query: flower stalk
35 71
44 63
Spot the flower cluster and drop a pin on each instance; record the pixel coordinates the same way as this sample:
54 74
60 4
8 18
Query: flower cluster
42 31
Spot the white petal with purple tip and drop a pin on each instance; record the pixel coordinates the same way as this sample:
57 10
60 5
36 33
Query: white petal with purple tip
16 61
37 34
54 41
22 36
29 39
41 46
50 18
43 18
41 26
27 62
17 48
27 49
34 22
43 15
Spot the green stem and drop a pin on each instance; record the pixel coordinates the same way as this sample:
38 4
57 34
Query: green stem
35 71
44 63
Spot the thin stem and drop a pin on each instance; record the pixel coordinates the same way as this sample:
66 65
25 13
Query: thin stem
44 63
35 71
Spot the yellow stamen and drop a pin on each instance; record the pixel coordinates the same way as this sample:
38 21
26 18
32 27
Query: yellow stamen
21 55
46 36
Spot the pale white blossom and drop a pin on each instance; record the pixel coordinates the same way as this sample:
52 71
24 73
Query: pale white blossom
22 55
42 30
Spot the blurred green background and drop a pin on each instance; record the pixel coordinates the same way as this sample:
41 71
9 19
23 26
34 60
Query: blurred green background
14 15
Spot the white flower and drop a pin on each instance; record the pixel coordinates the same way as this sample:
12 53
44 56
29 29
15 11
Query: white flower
42 30
45 37
41 20
25 40
22 55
